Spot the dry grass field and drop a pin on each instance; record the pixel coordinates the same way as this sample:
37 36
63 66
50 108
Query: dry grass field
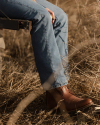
20 77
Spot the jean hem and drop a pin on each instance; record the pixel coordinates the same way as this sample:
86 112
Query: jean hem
55 86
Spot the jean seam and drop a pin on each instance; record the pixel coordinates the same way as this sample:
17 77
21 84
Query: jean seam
21 4
31 9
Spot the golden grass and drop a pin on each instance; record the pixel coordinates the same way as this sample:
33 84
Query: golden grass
20 76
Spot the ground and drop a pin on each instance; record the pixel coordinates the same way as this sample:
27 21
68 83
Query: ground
20 76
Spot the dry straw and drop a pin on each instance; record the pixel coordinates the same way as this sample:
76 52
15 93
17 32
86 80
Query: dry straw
19 73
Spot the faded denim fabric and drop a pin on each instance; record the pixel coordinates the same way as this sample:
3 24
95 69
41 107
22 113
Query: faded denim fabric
49 41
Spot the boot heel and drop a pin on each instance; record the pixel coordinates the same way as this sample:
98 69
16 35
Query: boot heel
50 101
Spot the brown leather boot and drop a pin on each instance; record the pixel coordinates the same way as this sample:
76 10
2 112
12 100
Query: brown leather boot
68 101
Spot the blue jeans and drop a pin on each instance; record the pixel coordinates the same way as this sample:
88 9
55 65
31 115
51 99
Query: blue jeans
49 40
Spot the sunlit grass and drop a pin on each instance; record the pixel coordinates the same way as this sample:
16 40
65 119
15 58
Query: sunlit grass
20 76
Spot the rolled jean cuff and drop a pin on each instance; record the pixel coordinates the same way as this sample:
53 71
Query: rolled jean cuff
55 85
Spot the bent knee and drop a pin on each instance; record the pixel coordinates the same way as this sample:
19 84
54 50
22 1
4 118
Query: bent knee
62 15
43 15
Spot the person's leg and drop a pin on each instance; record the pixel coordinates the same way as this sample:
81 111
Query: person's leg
45 48
70 101
60 28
